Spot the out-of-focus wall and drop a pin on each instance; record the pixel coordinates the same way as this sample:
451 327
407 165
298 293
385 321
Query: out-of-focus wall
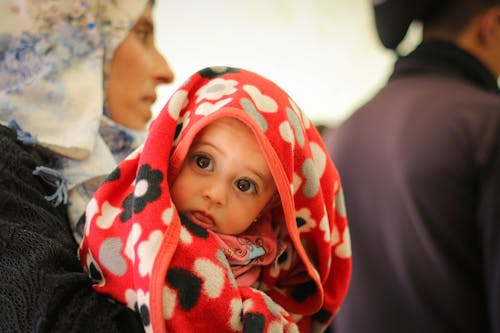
324 53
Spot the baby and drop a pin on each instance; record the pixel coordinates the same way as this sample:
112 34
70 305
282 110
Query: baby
225 186
230 218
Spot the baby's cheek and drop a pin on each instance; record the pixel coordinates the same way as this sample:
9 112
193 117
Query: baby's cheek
176 193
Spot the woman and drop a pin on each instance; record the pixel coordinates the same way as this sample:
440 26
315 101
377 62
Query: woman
61 94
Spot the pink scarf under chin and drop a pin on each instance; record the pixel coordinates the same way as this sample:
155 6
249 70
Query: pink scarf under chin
246 253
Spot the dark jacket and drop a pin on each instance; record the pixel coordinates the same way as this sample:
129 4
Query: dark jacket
42 285
420 165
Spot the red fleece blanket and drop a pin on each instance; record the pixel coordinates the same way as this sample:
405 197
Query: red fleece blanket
141 252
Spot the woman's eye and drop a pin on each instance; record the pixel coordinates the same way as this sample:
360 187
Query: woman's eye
203 162
246 186
143 33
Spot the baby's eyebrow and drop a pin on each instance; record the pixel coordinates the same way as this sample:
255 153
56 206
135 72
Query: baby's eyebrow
259 174
202 143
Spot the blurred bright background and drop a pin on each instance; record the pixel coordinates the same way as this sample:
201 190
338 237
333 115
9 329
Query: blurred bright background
324 53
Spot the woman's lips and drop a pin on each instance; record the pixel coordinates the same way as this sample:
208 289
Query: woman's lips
201 219
150 98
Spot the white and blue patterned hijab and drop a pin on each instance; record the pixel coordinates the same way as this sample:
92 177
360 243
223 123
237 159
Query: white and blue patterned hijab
54 63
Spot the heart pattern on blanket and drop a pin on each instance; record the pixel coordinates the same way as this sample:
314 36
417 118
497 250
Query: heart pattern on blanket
95 272
296 125
144 312
194 228
188 287
312 184
262 102
303 291
253 323
215 71
249 108
110 256
322 315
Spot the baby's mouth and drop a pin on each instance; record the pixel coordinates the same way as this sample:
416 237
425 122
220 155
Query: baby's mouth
201 219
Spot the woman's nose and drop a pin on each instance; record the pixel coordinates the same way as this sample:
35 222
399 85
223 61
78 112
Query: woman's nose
163 74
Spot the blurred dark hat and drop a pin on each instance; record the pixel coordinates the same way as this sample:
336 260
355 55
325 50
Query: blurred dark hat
393 17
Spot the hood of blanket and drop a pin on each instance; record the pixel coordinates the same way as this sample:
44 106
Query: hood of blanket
132 218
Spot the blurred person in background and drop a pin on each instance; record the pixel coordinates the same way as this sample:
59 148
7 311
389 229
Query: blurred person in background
420 165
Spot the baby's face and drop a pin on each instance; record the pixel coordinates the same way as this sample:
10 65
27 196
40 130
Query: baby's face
224 182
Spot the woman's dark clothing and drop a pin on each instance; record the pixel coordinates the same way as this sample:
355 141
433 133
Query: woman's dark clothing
42 285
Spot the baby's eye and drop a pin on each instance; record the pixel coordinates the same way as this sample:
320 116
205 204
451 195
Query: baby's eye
246 186
203 162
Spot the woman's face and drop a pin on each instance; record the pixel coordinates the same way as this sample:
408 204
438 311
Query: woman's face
136 70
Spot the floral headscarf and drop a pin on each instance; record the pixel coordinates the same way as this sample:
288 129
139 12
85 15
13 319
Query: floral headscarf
54 63
54 59
141 252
